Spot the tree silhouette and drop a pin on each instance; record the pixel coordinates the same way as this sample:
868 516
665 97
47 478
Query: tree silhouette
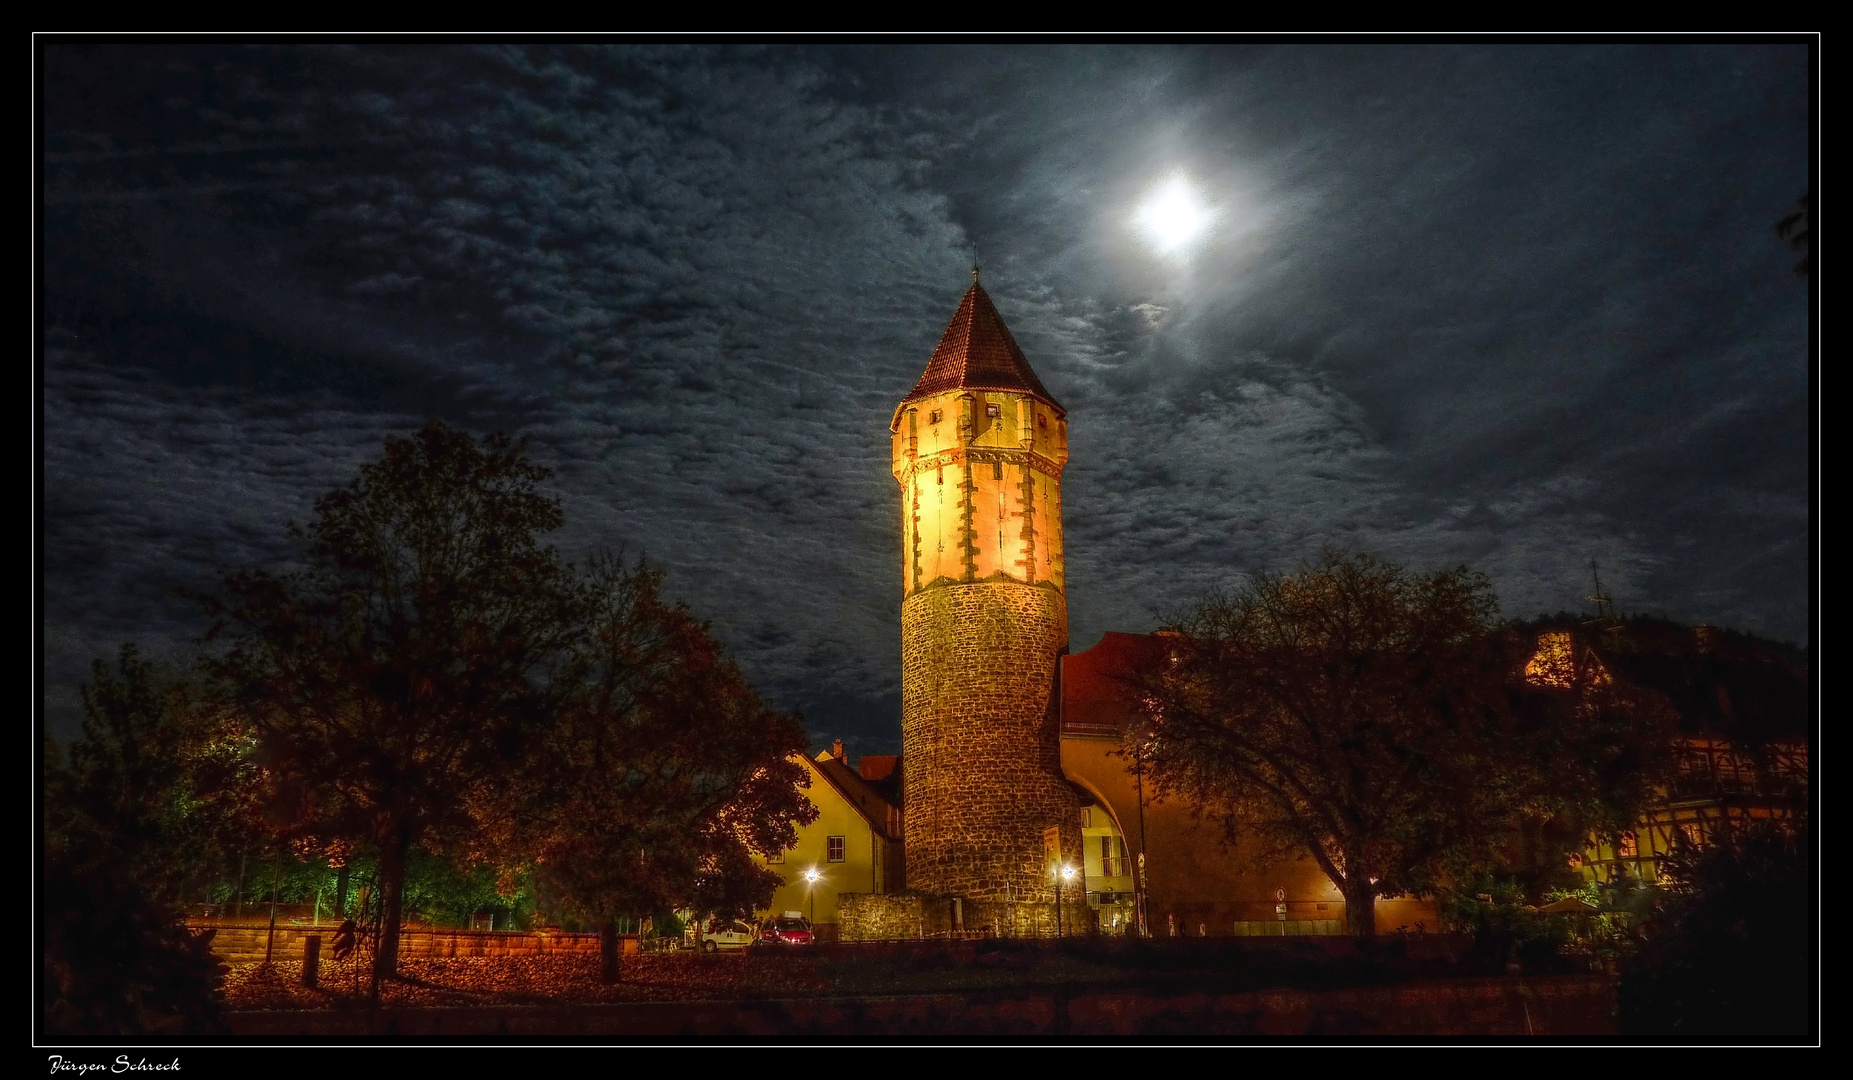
1377 721
665 773
129 828
396 680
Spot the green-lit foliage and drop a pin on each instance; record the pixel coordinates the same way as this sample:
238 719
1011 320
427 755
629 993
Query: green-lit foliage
437 891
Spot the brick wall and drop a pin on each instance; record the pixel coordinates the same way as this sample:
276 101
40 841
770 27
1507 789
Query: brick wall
244 943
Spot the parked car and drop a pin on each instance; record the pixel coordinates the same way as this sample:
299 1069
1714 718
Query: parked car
726 935
790 928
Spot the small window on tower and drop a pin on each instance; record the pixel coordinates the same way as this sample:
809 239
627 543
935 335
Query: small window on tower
1042 421
934 418
990 408
997 470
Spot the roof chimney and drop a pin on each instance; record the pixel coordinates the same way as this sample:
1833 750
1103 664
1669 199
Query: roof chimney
836 751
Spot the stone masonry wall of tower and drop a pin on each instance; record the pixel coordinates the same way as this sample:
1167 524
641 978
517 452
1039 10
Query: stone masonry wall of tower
984 622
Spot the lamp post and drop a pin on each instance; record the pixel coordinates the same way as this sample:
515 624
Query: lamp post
1066 874
810 889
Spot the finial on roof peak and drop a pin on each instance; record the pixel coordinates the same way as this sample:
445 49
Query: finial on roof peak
974 264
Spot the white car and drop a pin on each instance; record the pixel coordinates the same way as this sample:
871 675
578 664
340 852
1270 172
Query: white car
727 935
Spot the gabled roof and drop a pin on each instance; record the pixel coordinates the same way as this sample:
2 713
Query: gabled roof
977 352
883 816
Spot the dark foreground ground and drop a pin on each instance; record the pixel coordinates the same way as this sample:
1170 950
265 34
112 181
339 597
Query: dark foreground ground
984 991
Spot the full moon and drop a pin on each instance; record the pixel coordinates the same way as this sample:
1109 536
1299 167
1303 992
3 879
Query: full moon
1173 216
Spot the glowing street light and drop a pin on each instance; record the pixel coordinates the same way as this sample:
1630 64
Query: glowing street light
810 889
1066 875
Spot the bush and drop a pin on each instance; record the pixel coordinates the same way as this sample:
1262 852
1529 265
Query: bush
1729 955
118 965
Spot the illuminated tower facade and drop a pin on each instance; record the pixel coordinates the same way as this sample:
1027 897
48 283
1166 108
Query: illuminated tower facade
979 447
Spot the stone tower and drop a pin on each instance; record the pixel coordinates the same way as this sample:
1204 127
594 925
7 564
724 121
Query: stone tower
979 447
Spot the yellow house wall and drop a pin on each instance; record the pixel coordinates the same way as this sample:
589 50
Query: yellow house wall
1194 879
859 872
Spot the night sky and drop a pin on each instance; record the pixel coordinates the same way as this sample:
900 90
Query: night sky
1514 305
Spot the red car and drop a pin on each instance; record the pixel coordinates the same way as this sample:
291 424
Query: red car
785 930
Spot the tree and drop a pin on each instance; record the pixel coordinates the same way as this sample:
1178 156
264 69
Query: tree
128 831
124 795
399 676
665 773
1371 719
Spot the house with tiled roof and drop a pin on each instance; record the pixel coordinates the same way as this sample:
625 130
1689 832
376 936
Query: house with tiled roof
854 846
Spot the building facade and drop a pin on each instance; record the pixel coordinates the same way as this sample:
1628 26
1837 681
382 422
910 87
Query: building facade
853 847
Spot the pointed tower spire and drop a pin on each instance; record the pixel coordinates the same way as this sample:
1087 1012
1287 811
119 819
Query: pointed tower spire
977 352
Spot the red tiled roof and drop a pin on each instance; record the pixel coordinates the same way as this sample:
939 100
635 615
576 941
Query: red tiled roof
877 766
882 815
1100 686
977 352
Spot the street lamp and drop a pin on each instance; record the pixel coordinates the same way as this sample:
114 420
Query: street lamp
1066 875
810 889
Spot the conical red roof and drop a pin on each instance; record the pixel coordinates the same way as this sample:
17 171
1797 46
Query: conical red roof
977 352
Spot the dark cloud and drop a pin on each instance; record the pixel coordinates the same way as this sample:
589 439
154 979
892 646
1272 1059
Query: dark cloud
1518 306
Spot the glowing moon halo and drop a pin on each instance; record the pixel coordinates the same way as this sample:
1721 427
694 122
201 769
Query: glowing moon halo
1173 216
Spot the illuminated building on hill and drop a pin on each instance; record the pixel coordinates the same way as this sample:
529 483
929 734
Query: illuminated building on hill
1740 754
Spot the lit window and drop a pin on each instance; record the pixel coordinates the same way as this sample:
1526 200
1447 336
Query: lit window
990 409
835 847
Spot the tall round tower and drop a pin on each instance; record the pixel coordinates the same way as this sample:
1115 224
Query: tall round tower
979 446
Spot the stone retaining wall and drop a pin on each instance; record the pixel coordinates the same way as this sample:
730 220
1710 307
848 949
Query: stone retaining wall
899 916
244 943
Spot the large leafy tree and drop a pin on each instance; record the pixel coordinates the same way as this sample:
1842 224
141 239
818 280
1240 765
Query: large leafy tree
665 773
398 675
1372 719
